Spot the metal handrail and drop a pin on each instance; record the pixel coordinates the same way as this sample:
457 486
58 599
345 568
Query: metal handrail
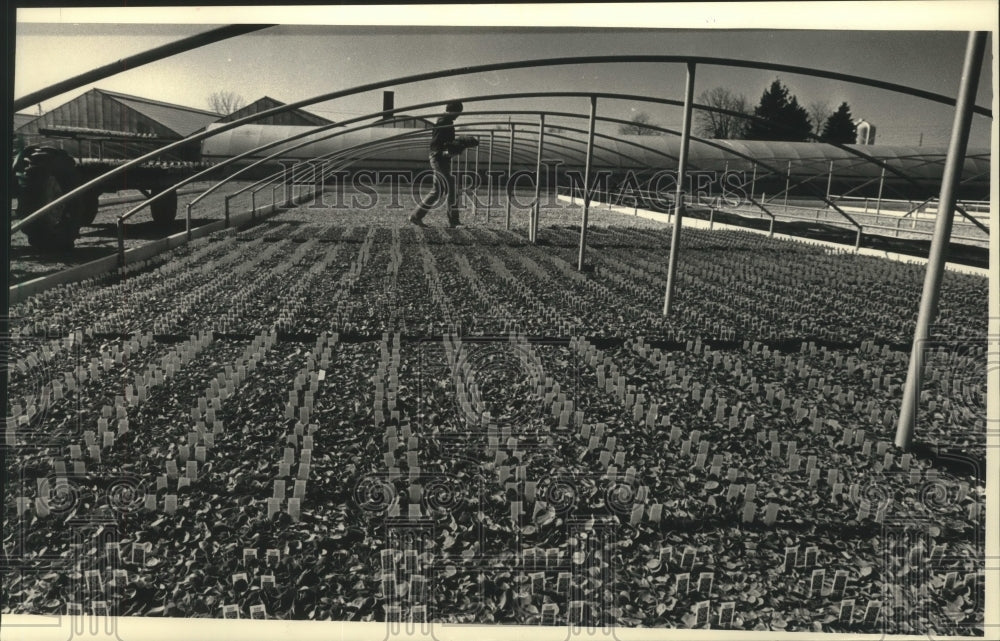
522 64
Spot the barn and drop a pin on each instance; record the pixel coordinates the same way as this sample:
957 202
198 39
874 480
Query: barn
104 124
296 117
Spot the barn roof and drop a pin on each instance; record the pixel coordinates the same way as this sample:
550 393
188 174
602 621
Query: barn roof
182 120
23 119
291 117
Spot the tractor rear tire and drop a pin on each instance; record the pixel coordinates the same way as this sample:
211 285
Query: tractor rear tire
50 173
164 210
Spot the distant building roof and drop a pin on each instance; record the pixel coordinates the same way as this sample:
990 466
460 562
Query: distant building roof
291 117
23 119
182 120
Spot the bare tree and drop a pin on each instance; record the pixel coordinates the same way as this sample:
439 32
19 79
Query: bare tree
712 124
225 102
641 125
819 111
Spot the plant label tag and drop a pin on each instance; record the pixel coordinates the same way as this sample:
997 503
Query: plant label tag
537 582
705 580
418 587
688 558
726 614
683 582
812 556
791 557
273 507
562 582
656 512
748 512
294 509
771 513
701 613
839 584
549 611
872 611
816 582
230 612
846 611
170 503
249 554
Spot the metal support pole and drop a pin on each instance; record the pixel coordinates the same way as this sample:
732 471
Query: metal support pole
227 211
878 203
489 178
942 231
253 204
753 181
829 181
464 164
586 184
187 222
770 228
475 185
711 218
788 183
857 239
121 243
538 180
675 236
510 164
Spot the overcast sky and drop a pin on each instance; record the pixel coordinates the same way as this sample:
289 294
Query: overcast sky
293 62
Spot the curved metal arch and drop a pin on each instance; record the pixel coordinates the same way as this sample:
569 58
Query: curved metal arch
503 66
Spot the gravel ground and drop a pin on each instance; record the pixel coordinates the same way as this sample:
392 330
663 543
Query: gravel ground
100 238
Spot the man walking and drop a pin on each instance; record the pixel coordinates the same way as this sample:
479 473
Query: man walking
444 145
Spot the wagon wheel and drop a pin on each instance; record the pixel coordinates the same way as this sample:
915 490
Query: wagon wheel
88 207
49 174
164 210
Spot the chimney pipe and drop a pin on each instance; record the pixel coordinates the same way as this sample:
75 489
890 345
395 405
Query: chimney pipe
388 103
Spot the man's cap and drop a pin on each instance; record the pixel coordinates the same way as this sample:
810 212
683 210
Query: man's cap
455 107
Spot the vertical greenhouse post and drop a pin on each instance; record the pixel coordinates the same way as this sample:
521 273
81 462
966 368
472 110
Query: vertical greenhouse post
878 202
829 181
675 235
586 183
489 179
510 165
475 184
942 231
788 183
533 232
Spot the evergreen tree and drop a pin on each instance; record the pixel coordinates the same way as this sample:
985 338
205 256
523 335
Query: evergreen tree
784 118
839 127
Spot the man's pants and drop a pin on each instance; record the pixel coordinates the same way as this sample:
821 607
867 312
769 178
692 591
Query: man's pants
444 184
